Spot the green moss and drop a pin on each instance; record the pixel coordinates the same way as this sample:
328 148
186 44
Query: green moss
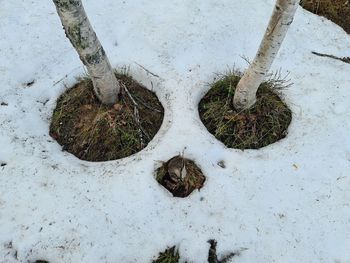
76 37
95 58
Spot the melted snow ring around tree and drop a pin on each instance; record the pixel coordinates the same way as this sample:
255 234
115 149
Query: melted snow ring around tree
96 132
263 124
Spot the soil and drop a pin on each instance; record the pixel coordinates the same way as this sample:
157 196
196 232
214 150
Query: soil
95 132
337 11
263 124
180 176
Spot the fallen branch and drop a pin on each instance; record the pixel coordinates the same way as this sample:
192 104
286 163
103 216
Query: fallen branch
344 59
149 72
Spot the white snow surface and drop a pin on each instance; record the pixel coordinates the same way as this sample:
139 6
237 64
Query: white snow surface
287 202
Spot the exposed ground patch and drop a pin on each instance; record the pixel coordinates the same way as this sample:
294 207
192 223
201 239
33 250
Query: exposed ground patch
265 123
336 10
180 176
95 132
171 255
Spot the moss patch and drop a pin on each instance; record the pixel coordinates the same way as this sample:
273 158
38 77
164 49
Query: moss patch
180 176
263 124
95 132
170 255
336 10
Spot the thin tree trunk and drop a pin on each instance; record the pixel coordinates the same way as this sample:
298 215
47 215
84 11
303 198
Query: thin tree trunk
83 38
282 17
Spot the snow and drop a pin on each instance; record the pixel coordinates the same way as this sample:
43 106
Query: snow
288 202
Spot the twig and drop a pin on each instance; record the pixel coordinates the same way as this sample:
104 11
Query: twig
344 59
155 75
213 258
136 115
129 94
246 59
58 81
318 6
147 106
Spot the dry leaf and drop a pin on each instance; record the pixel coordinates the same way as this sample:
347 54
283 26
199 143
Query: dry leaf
117 106
87 106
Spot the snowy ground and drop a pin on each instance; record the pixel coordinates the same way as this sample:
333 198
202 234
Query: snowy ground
288 202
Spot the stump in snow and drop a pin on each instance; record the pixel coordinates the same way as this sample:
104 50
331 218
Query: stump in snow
180 176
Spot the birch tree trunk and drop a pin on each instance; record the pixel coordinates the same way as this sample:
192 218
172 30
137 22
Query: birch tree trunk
282 17
83 38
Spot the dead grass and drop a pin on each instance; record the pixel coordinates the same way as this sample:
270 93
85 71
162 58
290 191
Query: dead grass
265 123
95 132
336 10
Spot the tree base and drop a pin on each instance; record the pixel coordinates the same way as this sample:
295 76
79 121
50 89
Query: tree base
95 132
263 124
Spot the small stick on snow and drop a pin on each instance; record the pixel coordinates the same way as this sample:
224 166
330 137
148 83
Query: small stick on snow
58 81
344 59
149 72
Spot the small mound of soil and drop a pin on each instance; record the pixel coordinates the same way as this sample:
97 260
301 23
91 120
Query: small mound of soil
95 132
263 124
337 11
180 176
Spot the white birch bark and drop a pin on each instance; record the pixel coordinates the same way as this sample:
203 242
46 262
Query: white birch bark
83 38
282 17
